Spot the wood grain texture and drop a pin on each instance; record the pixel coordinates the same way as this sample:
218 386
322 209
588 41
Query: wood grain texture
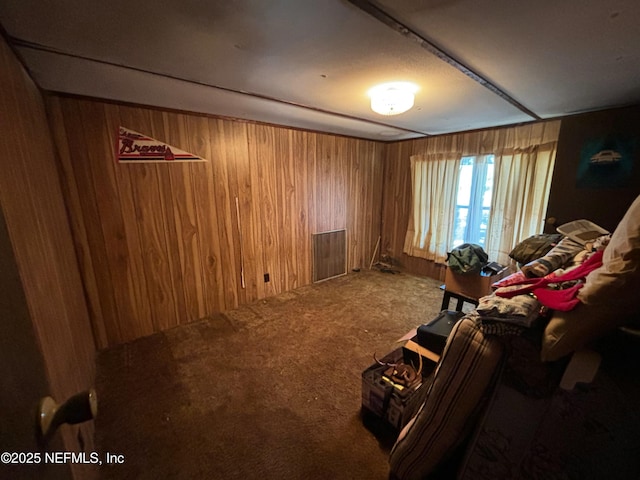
32 202
160 244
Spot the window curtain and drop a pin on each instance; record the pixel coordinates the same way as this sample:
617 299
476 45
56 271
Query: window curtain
434 183
525 157
520 195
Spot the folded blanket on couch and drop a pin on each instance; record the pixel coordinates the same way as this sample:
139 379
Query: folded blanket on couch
505 316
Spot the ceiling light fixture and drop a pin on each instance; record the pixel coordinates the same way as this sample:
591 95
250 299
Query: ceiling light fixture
392 98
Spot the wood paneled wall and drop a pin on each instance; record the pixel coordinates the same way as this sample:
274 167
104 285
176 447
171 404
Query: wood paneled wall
604 206
38 229
159 244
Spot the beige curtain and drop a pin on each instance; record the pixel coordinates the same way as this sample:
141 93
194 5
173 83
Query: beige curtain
434 180
525 157
520 193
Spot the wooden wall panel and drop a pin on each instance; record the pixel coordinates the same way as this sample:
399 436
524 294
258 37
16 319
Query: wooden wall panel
38 229
620 125
301 145
209 252
264 211
160 244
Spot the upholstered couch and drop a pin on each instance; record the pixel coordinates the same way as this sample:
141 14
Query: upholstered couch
500 397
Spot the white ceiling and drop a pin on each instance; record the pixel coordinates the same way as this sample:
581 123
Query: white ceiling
309 63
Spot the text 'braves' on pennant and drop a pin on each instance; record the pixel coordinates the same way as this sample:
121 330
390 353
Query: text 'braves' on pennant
133 147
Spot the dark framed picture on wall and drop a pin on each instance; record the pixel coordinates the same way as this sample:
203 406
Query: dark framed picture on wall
606 162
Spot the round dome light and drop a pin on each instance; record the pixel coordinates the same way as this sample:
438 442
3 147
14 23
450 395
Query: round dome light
392 98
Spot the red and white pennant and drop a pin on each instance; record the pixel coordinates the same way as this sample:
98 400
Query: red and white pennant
133 147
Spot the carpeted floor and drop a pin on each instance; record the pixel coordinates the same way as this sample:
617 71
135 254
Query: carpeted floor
271 390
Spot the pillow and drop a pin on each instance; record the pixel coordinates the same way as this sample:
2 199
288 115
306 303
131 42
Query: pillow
534 247
609 296
569 331
618 280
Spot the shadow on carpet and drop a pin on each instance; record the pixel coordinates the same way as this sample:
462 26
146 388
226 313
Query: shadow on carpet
271 390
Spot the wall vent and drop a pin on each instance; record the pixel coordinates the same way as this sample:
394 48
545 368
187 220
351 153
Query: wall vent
329 254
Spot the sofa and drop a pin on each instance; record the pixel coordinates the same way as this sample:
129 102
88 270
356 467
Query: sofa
496 402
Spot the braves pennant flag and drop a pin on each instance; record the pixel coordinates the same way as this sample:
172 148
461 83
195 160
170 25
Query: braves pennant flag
133 147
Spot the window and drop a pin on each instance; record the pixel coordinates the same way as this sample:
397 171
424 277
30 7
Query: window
473 200
494 200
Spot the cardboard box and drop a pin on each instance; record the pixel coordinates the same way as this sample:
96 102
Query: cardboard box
472 285
412 348
393 405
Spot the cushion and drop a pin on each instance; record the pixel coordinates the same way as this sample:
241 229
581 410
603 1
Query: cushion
609 296
534 247
617 282
467 367
571 330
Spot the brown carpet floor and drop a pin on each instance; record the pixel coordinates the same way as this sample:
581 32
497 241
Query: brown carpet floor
271 390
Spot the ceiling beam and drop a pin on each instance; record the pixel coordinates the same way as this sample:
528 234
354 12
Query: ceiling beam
17 43
405 31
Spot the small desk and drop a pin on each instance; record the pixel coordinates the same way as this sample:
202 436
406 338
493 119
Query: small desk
448 294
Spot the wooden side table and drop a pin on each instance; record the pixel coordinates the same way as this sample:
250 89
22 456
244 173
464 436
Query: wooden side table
448 295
